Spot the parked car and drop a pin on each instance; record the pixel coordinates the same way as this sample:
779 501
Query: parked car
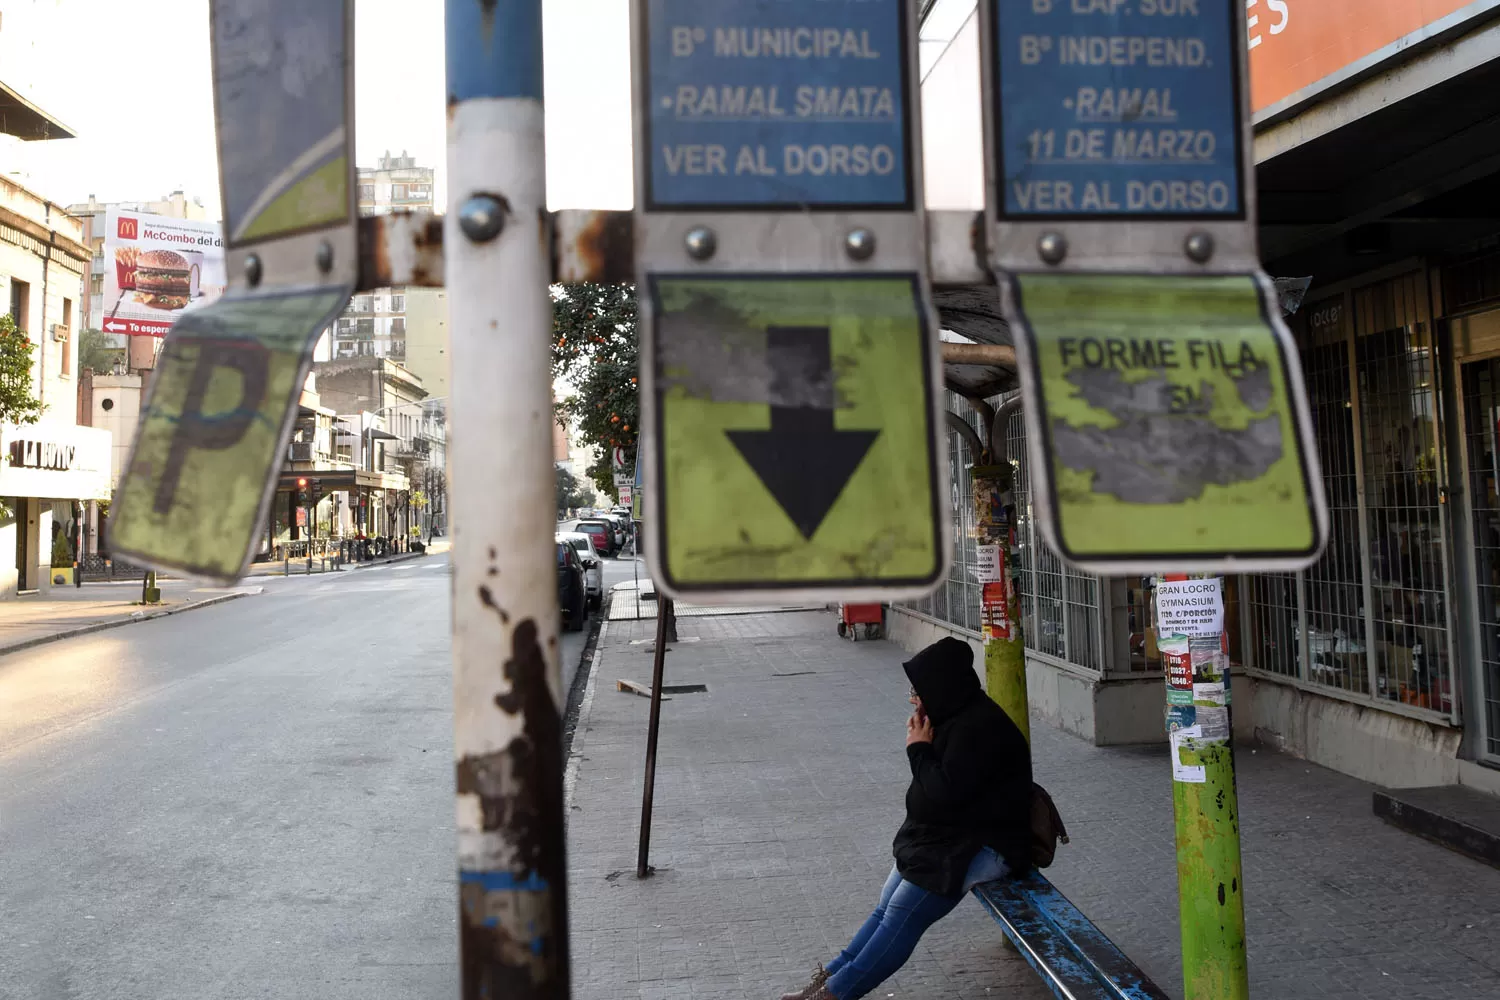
572 593
603 534
593 565
621 526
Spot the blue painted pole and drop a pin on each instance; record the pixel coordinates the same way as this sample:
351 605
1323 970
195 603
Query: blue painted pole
513 939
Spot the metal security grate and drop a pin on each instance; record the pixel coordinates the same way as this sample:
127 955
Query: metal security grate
1481 390
1402 474
1370 618
1335 644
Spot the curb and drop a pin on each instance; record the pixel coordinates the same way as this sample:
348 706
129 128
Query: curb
387 560
383 561
42 640
574 749
1455 817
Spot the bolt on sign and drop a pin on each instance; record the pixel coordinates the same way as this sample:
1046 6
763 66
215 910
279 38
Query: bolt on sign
222 405
1169 423
789 362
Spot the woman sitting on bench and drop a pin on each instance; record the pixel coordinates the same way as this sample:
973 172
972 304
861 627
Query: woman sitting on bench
968 814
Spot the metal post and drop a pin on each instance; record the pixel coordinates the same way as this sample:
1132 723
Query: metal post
1000 608
78 509
653 727
1210 883
995 540
513 939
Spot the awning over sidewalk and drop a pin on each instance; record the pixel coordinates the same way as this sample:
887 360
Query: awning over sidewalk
336 480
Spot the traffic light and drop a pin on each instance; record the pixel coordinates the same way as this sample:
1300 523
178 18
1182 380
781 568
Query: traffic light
301 500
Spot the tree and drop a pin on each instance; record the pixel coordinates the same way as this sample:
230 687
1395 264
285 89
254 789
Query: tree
96 351
17 404
570 493
594 348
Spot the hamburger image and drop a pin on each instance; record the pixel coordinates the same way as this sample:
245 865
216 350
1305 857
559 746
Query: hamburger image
164 279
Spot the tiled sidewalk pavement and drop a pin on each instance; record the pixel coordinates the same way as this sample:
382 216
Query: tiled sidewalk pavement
778 792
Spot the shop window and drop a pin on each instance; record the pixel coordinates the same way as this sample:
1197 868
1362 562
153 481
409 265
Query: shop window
1408 564
1375 605
1335 645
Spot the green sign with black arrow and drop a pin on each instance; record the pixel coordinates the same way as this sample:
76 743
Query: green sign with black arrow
793 419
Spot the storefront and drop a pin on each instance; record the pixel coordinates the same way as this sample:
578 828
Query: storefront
1401 614
314 510
46 470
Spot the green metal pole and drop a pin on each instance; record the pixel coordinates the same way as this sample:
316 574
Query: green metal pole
1000 610
1210 882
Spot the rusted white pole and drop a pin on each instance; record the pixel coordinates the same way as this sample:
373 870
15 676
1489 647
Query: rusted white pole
507 685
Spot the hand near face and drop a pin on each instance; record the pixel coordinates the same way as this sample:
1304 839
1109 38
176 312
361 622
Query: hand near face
918 729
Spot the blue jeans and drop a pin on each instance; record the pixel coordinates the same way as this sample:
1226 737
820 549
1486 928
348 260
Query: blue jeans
891 933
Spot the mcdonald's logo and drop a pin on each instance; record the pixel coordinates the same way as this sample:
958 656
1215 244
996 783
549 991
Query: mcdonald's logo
127 228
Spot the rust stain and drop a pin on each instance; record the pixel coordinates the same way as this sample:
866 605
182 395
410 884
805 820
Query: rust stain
601 250
513 939
378 234
488 599
536 756
374 258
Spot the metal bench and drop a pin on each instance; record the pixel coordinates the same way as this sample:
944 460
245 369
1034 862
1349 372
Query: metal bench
1073 957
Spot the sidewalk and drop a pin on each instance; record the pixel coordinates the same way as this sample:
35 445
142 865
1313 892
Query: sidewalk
779 789
325 564
68 611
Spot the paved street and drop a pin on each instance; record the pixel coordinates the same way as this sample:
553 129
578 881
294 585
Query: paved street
249 800
253 800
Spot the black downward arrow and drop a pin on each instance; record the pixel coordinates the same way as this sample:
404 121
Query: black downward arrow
802 460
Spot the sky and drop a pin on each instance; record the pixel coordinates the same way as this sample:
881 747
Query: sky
138 93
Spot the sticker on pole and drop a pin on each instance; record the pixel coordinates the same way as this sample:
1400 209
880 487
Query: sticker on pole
793 436
214 431
756 104
1169 423
1117 109
282 102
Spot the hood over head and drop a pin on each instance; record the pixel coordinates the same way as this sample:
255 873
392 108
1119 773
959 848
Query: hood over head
943 675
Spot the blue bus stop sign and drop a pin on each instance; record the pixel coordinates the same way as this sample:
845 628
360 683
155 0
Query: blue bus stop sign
766 104
1117 109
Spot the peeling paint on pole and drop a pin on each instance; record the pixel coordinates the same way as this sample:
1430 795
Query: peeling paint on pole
1000 609
513 931
1210 883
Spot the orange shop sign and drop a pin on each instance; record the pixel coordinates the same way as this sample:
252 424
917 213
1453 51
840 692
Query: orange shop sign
1299 47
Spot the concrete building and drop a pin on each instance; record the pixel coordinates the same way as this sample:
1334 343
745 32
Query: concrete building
375 324
52 465
396 184
1378 173
427 337
387 426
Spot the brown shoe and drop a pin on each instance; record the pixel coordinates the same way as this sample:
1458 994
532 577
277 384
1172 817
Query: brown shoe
812 988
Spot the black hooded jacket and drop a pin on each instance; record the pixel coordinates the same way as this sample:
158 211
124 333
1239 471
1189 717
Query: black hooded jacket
971 786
